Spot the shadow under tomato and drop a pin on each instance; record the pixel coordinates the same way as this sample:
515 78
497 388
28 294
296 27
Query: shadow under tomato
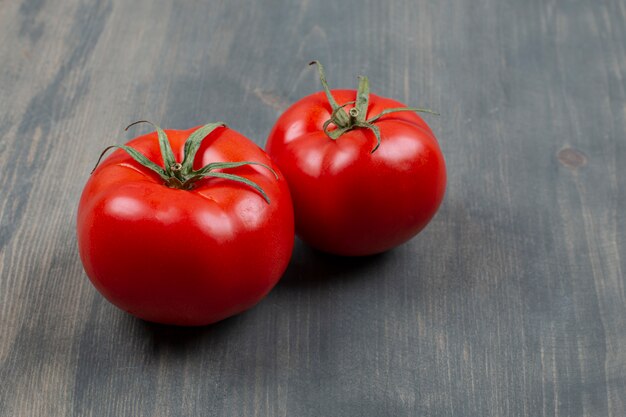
183 338
310 267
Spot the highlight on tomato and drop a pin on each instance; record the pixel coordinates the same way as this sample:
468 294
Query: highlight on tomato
366 173
186 227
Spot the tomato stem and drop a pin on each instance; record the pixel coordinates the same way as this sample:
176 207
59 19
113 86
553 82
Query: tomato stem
356 116
182 176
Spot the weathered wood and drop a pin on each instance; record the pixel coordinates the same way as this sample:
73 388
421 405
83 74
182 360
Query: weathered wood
511 303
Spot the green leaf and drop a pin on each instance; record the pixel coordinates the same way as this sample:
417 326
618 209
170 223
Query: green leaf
227 165
322 74
137 156
241 180
164 146
362 98
341 115
334 113
376 133
397 109
335 134
193 144
333 120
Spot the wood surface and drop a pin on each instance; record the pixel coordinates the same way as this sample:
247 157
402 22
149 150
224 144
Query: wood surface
511 302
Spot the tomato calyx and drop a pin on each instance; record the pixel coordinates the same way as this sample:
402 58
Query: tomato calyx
345 121
181 175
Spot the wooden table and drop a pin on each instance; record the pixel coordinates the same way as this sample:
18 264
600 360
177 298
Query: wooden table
511 302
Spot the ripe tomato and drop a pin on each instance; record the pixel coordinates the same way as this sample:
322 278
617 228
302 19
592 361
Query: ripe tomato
365 176
178 244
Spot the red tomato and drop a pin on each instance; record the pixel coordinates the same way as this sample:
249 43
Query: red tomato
192 255
351 196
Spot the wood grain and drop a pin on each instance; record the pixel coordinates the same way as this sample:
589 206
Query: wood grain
511 303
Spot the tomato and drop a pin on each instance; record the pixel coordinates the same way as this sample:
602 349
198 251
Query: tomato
178 244
365 175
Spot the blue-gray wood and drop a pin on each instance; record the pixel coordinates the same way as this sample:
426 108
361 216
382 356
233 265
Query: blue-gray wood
511 302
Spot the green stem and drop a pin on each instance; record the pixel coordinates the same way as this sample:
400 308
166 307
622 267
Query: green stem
182 175
356 116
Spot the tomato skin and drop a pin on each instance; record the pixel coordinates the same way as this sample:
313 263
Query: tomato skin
348 200
185 257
